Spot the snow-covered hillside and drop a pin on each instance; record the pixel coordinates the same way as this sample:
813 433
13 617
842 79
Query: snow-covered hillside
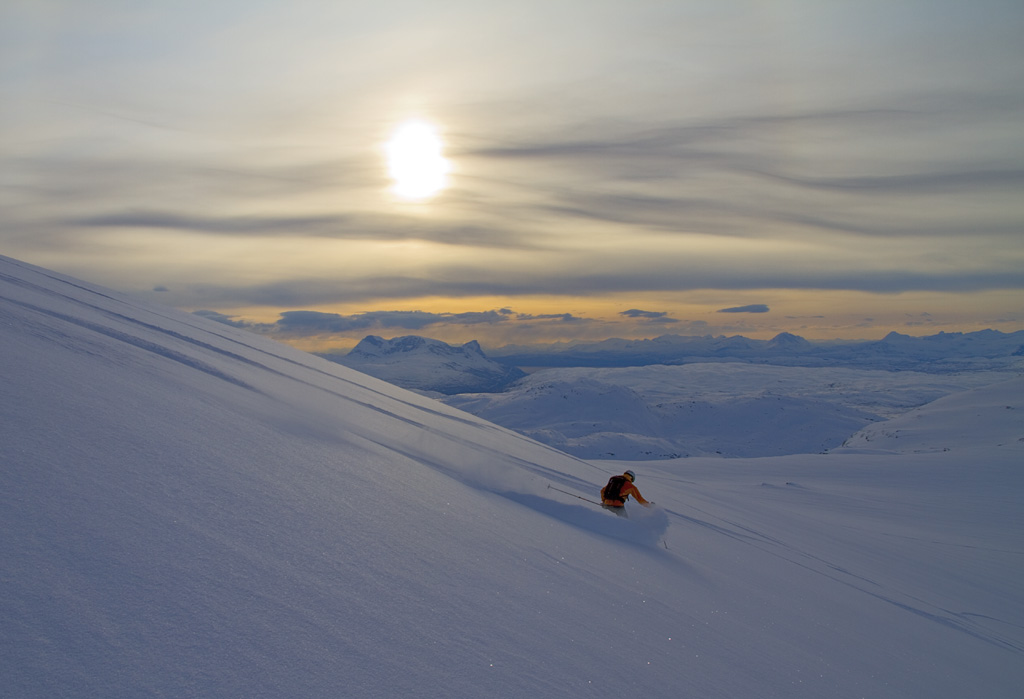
961 421
731 409
726 409
189 510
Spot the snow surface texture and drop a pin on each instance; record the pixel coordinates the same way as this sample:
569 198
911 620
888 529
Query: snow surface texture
189 510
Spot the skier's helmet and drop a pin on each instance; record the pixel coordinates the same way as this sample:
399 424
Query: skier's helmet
630 475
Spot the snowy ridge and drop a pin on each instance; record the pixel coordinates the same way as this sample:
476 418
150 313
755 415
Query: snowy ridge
192 510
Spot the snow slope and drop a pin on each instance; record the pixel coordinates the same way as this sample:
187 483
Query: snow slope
189 510
961 421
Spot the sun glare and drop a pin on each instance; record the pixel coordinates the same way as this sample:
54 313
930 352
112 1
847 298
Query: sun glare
415 161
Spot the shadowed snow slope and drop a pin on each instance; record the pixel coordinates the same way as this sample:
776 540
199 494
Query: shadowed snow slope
190 510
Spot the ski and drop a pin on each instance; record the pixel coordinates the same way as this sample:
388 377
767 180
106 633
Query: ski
593 502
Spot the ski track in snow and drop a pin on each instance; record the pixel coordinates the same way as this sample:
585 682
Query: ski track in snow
816 564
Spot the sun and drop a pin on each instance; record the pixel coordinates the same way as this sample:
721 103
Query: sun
416 162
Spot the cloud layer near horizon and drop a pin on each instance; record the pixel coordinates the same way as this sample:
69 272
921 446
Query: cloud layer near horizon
686 158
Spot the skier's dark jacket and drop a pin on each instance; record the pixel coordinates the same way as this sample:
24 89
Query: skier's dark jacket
627 489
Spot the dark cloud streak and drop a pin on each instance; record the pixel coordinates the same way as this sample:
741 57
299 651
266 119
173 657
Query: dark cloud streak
751 308
304 323
912 183
338 226
381 289
652 316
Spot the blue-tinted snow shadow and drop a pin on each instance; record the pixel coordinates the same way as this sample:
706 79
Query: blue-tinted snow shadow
644 526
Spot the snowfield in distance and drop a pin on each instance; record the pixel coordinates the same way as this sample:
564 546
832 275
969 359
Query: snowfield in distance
753 400
191 510
708 409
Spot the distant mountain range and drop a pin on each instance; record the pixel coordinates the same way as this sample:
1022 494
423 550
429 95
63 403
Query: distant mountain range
423 364
941 353
676 396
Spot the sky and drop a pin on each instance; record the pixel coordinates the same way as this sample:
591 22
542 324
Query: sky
832 169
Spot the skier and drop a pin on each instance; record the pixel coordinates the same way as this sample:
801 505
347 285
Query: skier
618 490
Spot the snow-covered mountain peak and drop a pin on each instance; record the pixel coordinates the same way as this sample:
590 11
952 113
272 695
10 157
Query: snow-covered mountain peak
428 365
789 341
402 348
